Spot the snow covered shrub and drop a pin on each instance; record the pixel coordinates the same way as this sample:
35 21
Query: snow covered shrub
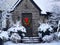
44 26
45 29
17 28
4 35
20 30
15 37
48 38
22 34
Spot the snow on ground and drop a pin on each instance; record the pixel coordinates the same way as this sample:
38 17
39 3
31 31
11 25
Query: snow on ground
53 43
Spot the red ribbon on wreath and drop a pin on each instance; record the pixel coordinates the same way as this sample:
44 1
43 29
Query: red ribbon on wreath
26 21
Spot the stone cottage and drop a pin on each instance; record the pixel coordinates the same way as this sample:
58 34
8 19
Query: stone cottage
28 12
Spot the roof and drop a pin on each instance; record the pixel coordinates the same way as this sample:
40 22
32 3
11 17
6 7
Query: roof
33 4
36 5
45 5
10 5
47 14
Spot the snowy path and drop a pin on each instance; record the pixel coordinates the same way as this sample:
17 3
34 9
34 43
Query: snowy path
54 43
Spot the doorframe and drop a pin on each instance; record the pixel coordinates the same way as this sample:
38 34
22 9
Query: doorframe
31 22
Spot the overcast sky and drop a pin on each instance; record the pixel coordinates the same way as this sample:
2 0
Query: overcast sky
45 5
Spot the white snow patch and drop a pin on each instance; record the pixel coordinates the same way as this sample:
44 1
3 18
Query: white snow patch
4 35
17 27
48 38
43 27
11 43
15 37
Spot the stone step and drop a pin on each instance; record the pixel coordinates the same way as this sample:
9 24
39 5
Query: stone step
30 39
34 38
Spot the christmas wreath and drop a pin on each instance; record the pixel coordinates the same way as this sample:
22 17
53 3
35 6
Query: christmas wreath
26 21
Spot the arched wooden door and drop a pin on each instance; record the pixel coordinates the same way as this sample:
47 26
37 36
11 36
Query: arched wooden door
27 23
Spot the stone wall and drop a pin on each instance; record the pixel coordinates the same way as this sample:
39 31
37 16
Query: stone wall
28 7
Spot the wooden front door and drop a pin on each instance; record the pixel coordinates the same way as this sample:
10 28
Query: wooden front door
27 23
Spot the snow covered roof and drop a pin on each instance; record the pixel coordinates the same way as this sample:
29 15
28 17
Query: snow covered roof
45 5
9 5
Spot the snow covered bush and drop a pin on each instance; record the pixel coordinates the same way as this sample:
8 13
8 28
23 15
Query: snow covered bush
48 38
15 37
17 27
51 37
19 30
44 26
4 35
44 29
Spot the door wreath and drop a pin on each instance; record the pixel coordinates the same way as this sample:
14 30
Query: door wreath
26 21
